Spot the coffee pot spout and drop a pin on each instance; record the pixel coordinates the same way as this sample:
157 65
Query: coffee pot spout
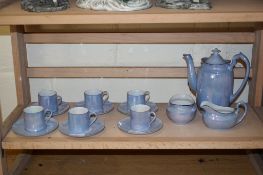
192 81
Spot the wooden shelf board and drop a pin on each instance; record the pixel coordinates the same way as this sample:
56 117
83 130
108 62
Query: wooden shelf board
195 135
146 164
116 72
222 11
141 38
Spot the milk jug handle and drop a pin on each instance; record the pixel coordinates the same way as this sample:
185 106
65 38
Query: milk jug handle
231 67
239 115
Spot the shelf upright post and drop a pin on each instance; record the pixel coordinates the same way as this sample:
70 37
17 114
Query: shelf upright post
3 161
22 91
20 65
256 85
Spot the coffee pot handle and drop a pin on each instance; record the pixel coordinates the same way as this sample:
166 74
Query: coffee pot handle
240 117
232 65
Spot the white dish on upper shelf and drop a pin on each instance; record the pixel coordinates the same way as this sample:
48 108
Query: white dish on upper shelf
114 5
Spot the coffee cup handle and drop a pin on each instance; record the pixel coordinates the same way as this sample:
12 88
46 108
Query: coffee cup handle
147 96
48 115
153 118
94 118
59 100
105 96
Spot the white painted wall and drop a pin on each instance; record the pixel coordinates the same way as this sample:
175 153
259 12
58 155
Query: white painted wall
121 55
7 84
106 55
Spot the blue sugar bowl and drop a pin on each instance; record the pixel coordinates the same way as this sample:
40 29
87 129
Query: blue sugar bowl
181 109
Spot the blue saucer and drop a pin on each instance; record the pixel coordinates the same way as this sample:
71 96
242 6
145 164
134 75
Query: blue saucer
107 107
19 128
62 108
124 125
94 129
123 108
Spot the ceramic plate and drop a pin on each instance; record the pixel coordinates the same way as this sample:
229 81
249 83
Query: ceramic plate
114 5
184 4
124 125
94 129
62 108
44 6
19 128
107 107
122 108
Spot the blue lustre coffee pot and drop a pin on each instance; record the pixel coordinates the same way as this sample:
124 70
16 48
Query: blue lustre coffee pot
215 78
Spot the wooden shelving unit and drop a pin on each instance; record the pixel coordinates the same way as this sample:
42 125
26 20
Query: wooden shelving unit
248 135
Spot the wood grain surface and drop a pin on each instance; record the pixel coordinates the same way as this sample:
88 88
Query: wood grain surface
20 64
4 30
128 164
256 85
141 38
222 11
115 72
195 135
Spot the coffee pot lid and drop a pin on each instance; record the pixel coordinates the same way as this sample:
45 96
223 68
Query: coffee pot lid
215 58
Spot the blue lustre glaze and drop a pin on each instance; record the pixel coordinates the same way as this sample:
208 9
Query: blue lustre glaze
215 78
219 117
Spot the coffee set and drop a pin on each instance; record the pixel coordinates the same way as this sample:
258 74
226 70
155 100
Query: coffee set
212 85
82 120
